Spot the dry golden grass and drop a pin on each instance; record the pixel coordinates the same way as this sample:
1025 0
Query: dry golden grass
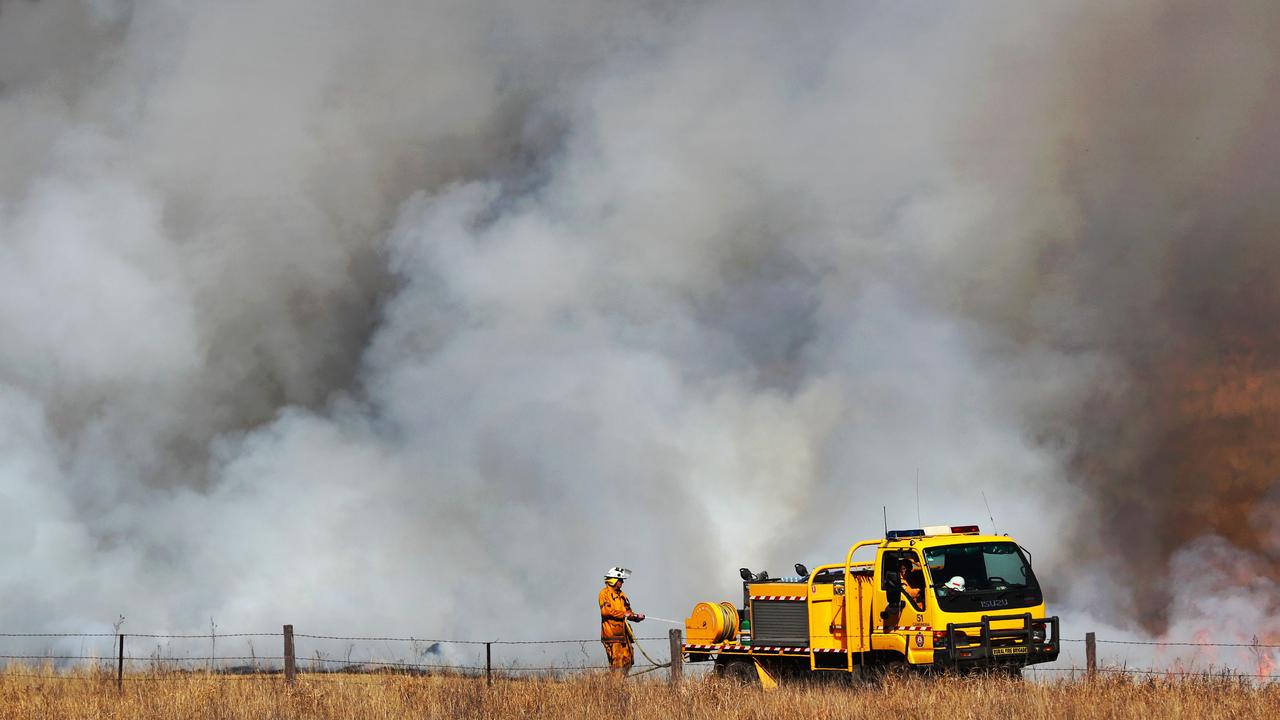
325 697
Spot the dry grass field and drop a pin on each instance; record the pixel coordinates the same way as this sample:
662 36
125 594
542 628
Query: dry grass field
330 697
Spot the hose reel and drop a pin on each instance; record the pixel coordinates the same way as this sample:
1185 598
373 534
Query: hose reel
711 623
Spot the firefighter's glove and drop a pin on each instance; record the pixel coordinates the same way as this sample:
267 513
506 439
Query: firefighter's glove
635 617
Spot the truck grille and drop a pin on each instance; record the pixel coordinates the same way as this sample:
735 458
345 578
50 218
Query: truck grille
780 622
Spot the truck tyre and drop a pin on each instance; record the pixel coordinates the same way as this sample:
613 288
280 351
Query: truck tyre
742 671
1012 672
890 672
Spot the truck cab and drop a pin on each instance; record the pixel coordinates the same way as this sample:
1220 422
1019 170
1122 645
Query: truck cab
947 596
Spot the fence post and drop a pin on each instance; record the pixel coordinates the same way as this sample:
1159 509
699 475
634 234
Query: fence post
488 663
1091 654
677 654
290 669
120 666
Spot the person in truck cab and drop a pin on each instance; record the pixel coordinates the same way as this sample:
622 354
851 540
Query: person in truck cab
911 578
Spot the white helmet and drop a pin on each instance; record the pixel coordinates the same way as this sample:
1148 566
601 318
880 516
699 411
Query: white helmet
619 573
955 583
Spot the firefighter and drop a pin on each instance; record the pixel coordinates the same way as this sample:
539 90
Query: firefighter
911 578
615 611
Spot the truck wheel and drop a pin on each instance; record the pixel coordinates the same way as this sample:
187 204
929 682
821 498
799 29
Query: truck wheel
1012 672
890 672
741 671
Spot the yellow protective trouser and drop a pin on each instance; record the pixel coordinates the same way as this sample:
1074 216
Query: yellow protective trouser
620 654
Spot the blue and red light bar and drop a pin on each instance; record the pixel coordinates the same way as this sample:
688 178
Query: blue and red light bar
930 531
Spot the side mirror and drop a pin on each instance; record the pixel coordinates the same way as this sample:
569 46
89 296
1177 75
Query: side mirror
894 596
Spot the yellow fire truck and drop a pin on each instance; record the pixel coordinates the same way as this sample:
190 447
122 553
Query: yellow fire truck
938 598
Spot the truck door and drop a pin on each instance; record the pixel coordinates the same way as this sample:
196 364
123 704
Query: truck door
900 597
826 609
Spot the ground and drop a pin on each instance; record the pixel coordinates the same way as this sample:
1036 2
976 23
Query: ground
355 696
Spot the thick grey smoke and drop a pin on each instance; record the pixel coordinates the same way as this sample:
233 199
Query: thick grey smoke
415 316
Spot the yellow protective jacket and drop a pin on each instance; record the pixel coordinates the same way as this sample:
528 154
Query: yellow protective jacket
614 609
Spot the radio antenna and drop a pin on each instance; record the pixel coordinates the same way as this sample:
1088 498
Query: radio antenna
989 515
918 523
885 509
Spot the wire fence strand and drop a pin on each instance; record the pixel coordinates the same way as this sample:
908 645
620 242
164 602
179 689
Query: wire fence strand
442 641
1189 674
162 636
1174 643
375 638
1259 646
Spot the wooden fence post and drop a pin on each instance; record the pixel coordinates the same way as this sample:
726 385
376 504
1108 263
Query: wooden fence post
290 668
488 663
120 666
1091 654
677 655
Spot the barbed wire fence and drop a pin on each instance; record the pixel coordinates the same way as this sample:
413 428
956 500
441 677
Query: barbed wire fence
116 656
327 656
1092 668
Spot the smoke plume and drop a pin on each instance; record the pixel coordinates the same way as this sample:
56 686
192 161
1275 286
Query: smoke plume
416 316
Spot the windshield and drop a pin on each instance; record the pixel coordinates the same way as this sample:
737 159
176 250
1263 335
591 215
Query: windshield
981 576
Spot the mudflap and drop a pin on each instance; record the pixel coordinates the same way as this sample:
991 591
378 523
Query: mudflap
767 679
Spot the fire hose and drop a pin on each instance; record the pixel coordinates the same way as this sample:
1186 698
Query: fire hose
656 665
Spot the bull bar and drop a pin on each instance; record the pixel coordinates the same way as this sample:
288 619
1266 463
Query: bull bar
1010 646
